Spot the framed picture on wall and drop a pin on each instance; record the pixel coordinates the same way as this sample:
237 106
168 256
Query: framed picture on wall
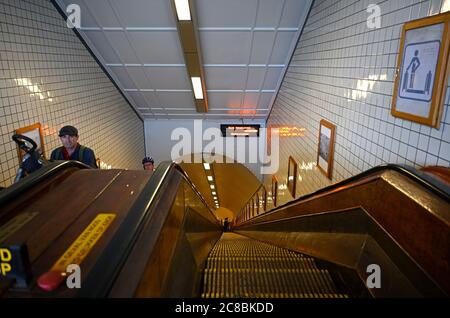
263 198
325 152
34 132
274 190
422 70
292 176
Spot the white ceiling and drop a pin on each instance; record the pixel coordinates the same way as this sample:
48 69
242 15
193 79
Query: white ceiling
246 45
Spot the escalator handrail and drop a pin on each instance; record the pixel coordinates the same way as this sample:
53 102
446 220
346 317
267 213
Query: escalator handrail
33 179
428 182
188 180
102 276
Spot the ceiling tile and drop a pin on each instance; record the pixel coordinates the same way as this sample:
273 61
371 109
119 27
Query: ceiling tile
293 11
122 47
224 100
262 47
102 13
272 77
225 47
138 75
102 45
176 99
251 100
225 77
157 47
229 13
152 100
264 100
124 78
283 43
255 77
269 13
168 77
144 13
139 99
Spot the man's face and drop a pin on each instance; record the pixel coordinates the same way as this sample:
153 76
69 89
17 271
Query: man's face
148 166
69 142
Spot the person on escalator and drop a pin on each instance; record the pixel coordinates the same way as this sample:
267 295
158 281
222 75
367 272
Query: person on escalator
148 163
71 149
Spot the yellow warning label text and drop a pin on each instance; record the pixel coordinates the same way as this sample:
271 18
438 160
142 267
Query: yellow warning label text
79 249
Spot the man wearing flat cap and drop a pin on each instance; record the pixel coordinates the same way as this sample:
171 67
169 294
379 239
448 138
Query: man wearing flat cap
71 149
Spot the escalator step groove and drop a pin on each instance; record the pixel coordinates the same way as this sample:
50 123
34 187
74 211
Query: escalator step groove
240 267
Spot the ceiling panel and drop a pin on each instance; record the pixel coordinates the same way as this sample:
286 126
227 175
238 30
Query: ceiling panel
245 47
272 76
139 77
224 47
251 100
168 77
293 11
221 78
125 80
151 98
255 77
102 12
121 46
139 98
144 13
264 100
269 12
157 47
225 100
103 46
262 47
229 13
176 99
280 49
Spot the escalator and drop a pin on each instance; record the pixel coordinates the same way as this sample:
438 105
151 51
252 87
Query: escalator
239 267
141 234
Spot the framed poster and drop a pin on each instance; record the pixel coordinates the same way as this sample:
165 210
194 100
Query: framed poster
325 152
34 132
422 70
274 190
263 198
292 176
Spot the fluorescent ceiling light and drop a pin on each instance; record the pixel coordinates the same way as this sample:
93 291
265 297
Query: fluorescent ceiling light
210 178
214 193
206 165
197 84
215 198
183 12
213 187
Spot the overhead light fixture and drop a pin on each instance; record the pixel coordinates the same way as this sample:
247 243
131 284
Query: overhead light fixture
212 187
197 85
183 11
207 166
210 178
187 26
214 193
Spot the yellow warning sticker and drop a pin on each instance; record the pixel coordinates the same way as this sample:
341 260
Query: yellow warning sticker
79 249
15 224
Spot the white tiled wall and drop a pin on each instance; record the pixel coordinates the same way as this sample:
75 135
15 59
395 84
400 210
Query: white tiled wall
343 72
48 76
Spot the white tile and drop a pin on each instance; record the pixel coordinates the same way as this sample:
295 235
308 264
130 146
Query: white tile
444 152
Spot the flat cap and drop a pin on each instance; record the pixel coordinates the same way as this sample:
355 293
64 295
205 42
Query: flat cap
69 131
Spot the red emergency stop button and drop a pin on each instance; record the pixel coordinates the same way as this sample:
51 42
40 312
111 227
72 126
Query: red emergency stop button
51 280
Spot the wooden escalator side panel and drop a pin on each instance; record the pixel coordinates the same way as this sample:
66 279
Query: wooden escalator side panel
67 210
441 173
